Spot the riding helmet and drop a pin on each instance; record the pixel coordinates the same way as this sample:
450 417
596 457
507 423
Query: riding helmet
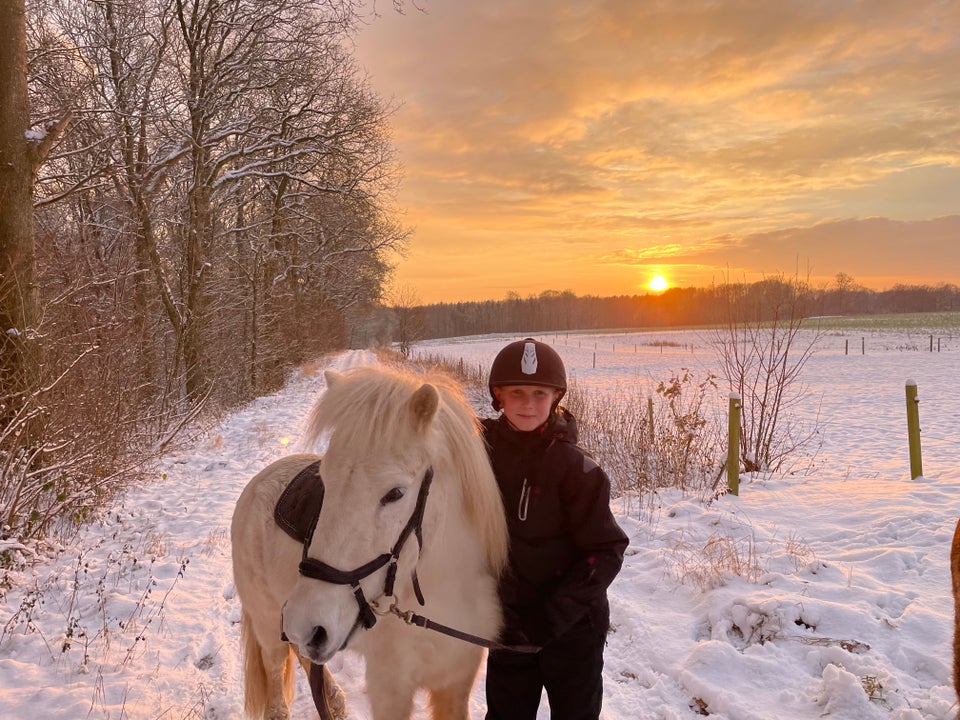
527 362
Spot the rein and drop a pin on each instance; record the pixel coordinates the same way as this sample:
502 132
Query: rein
412 618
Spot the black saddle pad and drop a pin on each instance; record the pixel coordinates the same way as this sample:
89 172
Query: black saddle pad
299 505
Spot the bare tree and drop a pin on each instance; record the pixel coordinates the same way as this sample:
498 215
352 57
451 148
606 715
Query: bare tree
762 348
219 203
19 359
273 113
408 318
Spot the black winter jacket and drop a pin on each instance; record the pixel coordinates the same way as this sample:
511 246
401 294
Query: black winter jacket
565 545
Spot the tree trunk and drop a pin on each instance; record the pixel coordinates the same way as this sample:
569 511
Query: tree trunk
19 353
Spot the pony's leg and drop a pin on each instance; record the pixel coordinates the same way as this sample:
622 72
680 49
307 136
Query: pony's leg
336 699
268 676
281 681
390 692
452 702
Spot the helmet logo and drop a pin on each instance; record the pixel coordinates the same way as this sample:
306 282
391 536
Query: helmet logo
528 363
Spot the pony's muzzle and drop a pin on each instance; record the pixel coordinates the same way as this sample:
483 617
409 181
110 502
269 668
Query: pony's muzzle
313 640
318 638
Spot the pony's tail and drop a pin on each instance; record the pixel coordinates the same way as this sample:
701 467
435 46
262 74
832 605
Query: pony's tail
256 689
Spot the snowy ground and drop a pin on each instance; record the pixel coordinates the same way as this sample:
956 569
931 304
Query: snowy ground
845 613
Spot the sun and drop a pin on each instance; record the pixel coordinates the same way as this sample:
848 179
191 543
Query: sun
658 283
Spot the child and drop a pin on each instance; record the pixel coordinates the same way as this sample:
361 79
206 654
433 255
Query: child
565 546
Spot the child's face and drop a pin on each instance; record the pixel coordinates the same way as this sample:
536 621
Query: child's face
527 407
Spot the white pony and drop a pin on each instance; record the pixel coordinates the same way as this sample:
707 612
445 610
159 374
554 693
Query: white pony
398 447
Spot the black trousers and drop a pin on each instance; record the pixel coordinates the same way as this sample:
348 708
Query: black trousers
569 667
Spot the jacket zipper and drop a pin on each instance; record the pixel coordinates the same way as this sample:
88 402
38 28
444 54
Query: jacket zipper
524 501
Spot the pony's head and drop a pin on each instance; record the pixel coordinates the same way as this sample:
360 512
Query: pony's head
403 459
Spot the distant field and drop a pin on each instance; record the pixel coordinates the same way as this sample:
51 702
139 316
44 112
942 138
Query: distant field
936 323
939 322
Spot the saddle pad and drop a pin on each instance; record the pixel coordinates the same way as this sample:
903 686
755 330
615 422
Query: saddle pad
299 505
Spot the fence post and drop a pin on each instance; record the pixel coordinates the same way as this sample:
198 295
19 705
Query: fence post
733 445
913 429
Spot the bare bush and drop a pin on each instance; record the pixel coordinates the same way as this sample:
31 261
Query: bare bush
762 348
93 424
671 440
682 448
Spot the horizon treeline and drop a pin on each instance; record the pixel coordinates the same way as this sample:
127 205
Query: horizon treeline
718 304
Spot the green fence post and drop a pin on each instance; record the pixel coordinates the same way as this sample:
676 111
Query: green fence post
733 445
913 429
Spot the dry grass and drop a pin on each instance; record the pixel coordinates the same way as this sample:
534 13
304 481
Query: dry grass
707 565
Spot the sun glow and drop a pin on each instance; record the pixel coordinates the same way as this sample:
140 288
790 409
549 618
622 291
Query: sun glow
658 283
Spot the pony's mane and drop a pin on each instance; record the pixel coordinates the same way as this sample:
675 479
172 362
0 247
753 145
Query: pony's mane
365 408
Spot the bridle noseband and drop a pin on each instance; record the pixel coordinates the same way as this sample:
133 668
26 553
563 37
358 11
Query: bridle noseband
318 570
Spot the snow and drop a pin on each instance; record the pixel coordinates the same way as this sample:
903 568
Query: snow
840 606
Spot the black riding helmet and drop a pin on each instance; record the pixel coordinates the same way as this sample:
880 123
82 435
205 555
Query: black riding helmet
527 362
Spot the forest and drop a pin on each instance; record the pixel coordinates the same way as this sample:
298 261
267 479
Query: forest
196 198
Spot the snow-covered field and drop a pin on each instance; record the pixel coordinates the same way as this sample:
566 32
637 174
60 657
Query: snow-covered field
845 610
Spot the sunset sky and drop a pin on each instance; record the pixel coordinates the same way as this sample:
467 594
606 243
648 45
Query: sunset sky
592 144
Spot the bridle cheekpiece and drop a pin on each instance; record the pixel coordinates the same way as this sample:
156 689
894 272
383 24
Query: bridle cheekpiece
319 570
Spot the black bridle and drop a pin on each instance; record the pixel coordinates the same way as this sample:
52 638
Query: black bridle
318 570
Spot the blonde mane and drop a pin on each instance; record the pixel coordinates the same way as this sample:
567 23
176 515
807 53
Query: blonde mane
366 407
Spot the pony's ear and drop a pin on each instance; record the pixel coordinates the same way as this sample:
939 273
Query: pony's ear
423 406
332 377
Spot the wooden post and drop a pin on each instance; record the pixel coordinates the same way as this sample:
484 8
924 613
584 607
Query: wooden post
863 346
913 429
733 445
846 346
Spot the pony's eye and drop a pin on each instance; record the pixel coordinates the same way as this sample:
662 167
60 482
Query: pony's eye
392 496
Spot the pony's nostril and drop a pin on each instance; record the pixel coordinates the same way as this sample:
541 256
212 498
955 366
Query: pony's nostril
319 637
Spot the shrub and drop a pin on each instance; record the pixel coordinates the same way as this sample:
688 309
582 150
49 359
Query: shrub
646 443
762 349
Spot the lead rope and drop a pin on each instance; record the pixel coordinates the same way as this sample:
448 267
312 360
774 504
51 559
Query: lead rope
412 618
318 689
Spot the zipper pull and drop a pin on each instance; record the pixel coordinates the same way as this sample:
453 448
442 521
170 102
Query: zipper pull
524 501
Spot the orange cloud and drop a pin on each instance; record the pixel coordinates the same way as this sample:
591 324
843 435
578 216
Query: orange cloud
611 132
